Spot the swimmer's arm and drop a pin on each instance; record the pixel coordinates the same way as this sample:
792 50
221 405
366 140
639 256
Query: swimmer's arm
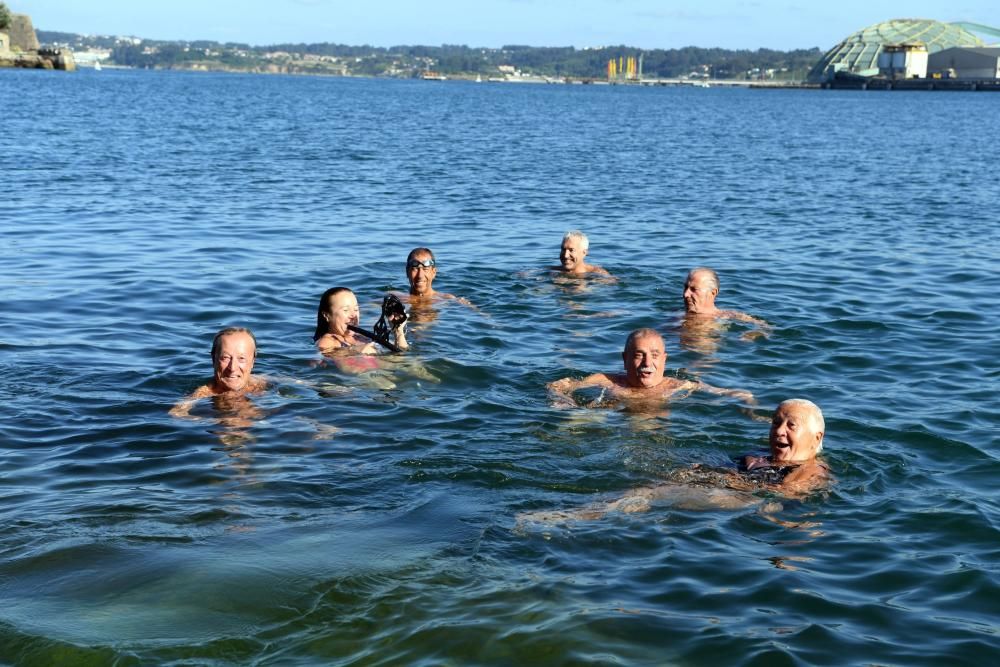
763 329
637 500
740 394
561 391
462 300
606 275
182 409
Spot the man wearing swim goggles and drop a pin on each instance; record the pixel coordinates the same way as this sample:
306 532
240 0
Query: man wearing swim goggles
421 269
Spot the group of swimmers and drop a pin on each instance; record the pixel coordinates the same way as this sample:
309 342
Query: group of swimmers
797 425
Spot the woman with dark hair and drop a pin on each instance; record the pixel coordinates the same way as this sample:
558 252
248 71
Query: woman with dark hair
350 351
338 309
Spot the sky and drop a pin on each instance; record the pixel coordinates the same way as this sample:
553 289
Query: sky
649 24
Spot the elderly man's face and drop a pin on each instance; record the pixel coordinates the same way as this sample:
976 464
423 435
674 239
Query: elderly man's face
644 360
234 361
699 294
793 434
421 277
572 254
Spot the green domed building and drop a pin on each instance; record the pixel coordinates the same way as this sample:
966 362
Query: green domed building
859 53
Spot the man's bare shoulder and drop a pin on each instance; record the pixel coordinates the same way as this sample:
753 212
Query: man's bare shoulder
203 391
739 317
606 380
257 384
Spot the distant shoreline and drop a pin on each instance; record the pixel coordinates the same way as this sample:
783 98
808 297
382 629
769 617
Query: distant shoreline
537 80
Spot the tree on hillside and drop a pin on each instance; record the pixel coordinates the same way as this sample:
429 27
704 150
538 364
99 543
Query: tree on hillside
4 16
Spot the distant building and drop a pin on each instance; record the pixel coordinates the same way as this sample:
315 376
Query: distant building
859 53
4 43
22 34
903 61
966 63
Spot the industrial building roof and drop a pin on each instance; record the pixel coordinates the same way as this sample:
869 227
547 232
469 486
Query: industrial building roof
859 52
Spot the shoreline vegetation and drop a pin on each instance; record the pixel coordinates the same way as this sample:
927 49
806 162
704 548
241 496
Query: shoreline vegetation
507 64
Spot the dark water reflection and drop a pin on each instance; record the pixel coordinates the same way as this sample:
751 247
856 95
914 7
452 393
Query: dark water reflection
336 520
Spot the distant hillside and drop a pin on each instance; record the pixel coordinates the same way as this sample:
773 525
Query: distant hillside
410 61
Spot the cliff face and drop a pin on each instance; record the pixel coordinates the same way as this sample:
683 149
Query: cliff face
22 33
24 50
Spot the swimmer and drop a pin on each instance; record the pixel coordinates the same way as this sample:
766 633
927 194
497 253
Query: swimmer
575 246
337 312
791 470
700 290
421 270
234 351
645 360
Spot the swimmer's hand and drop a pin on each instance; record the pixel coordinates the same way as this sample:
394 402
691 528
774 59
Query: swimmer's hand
183 410
560 393
399 333
755 334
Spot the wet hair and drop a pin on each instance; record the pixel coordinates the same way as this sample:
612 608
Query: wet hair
815 415
577 234
217 341
713 277
419 251
641 333
322 327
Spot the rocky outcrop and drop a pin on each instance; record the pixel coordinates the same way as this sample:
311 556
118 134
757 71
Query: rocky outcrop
24 50
22 34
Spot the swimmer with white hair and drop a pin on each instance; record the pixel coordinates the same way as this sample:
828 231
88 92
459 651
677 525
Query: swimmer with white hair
700 289
572 255
791 470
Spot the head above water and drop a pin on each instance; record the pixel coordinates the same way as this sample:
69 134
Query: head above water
700 290
338 307
228 331
234 350
797 429
645 358
575 246
421 269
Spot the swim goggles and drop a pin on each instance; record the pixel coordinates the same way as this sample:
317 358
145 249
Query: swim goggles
417 263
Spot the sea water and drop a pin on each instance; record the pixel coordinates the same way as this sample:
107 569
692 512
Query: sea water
335 520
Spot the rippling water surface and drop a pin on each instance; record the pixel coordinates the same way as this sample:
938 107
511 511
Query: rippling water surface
338 522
